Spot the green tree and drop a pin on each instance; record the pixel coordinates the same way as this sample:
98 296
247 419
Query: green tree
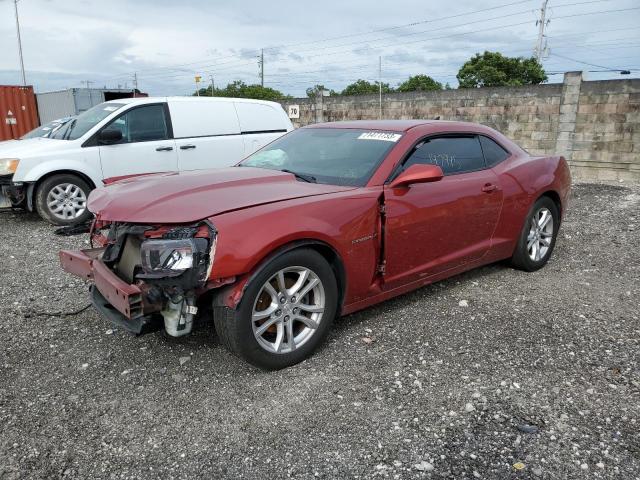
492 69
239 89
362 87
312 91
419 83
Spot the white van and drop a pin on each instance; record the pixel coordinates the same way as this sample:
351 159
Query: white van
128 137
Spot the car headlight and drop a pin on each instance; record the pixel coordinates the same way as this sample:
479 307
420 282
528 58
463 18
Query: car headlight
8 166
167 256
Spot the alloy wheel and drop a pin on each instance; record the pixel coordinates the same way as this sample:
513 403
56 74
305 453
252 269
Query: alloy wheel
540 234
288 310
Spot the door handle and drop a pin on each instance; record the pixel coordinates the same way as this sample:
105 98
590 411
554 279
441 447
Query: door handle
164 149
489 187
187 147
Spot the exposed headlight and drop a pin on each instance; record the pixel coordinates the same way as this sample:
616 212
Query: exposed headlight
167 256
8 166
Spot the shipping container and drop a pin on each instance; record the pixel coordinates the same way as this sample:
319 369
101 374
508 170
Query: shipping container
18 112
64 103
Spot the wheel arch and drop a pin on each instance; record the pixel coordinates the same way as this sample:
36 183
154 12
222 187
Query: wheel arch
33 187
555 197
232 295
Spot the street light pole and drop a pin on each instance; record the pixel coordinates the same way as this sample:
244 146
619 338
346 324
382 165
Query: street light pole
24 77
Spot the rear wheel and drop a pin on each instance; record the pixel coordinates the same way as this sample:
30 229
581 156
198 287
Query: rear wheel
285 313
538 236
62 199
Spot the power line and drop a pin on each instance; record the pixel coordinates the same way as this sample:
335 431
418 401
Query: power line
327 39
217 65
586 63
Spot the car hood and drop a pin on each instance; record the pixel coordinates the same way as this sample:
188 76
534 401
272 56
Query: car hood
30 146
187 197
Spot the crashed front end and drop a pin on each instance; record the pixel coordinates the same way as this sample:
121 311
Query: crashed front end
145 274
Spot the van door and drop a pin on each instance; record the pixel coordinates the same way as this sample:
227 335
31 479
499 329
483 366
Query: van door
261 124
207 133
146 145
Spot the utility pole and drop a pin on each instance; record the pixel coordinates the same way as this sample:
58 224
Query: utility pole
541 23
135 83
261 62
380 88
24 77
87 83
211 77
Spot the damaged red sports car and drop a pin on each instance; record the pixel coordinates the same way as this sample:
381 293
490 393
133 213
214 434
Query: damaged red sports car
324 221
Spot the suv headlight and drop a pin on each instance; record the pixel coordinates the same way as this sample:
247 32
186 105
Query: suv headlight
8 166
167 256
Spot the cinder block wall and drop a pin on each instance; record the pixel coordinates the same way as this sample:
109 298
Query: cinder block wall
594 124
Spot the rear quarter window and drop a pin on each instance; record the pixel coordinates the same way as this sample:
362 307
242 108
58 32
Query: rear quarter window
493 153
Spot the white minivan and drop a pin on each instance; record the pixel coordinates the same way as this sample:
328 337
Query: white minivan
128 137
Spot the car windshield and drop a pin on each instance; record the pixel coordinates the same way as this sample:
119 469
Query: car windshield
85 121
47 129
335 156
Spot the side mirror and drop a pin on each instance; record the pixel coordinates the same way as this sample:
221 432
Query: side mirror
109 136
418 173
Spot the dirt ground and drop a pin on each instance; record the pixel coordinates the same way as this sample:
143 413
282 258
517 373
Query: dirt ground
496 373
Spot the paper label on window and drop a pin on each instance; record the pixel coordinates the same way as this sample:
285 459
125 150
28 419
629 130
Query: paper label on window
110 109
385 137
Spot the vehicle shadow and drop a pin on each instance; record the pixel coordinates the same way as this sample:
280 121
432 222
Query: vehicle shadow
204 334
355 320
21 215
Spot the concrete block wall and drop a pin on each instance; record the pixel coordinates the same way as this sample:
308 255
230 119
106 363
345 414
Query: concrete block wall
595 125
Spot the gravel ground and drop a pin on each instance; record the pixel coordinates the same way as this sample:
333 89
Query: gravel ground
492 374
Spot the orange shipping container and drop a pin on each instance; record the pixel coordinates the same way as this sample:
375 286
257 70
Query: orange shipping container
18 111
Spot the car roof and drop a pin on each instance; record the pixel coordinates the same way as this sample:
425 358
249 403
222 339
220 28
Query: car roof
143 100
393 125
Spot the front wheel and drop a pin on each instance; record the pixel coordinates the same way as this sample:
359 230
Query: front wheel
285 313
62 199
538 236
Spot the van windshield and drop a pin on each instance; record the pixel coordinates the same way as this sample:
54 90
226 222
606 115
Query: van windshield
85 121
334 156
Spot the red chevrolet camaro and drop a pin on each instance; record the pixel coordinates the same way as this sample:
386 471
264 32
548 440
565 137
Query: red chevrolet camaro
324 221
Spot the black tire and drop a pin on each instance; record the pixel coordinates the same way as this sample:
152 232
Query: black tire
235 327
521 258
43 191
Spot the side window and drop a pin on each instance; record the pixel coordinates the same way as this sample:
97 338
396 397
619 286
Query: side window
493 153
452 154
142 124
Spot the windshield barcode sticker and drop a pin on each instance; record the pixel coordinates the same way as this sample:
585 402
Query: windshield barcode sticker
385 137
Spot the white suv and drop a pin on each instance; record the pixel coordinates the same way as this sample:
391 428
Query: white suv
128 137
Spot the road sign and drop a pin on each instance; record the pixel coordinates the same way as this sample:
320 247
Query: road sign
294 111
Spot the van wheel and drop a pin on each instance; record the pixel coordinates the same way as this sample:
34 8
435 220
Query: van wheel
62 199
285 313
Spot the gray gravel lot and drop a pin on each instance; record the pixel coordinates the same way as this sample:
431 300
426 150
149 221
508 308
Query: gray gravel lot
538 376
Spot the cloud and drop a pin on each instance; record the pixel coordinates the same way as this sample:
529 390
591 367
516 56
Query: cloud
168 42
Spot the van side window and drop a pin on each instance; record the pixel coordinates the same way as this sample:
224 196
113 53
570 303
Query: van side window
493 153
142 124
453 154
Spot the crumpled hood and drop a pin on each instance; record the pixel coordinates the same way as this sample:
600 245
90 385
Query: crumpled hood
188 197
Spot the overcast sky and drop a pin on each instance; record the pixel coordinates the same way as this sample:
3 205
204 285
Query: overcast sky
66 42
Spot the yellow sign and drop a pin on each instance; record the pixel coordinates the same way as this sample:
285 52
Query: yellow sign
198 78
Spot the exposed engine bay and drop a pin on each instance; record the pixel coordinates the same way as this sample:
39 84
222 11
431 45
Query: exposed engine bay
170 266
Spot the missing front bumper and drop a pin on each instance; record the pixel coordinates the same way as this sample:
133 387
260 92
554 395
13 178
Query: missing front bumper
139 325
125 298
